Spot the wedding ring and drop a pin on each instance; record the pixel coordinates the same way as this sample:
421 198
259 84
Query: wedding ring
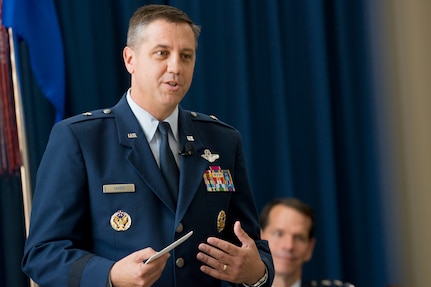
224 268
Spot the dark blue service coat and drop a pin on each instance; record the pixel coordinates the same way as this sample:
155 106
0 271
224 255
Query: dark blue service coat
72 239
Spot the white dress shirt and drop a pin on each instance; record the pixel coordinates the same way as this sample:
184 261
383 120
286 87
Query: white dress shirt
296 284
149 125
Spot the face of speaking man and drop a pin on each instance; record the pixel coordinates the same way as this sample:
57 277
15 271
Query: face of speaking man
161 66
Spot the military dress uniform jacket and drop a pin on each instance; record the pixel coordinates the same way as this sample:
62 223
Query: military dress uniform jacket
98 170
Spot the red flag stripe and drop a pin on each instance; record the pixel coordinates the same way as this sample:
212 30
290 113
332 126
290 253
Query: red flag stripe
10 160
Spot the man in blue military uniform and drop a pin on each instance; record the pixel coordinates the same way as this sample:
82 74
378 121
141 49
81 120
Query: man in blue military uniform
104 202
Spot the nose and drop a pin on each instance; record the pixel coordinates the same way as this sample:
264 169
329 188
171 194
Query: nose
288 242
174 64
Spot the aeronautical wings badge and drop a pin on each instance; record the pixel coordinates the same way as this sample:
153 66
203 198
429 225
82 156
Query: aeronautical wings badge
211 157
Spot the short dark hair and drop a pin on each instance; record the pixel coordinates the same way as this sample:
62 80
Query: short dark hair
294 203
149 13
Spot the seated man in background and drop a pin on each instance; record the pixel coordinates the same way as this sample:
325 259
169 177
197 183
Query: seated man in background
288 225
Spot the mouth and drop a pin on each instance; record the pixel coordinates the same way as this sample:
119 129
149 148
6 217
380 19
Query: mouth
172 83
285 257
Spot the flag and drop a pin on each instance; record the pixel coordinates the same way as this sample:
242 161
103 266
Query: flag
36 22
10 156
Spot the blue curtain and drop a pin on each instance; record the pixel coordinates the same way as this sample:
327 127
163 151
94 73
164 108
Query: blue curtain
294 77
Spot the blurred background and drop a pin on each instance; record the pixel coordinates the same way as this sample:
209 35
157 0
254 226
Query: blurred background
332 98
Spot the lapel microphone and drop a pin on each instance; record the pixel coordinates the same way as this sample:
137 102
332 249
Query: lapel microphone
189 149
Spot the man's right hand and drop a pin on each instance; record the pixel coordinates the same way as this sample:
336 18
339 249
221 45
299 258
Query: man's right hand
132 271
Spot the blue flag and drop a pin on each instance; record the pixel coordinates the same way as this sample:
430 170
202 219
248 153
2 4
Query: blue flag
36 22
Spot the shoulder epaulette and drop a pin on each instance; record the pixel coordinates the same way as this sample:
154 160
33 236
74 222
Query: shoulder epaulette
96 114
207 118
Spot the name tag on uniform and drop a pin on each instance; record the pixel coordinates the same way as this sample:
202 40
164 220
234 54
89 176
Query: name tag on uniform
118 188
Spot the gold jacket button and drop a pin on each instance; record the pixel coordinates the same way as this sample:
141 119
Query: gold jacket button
180 262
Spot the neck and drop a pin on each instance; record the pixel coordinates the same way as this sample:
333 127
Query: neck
159 111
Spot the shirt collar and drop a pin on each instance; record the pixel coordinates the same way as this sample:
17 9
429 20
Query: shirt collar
297 283
149 123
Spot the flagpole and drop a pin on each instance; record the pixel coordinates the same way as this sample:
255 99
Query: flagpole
22 141
22 138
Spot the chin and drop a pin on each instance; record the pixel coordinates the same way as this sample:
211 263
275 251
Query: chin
173 99
284 267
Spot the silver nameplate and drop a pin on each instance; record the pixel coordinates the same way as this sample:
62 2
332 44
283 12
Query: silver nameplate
117 188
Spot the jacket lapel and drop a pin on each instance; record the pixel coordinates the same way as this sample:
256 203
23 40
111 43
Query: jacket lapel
192 167
130 134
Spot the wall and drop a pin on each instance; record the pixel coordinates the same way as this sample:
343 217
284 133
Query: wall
404 70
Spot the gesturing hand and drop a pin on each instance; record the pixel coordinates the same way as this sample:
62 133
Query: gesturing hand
226 261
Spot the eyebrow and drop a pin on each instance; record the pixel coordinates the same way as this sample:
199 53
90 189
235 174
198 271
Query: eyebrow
161 46
168 47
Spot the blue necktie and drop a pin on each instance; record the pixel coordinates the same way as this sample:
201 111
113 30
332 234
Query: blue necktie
168 165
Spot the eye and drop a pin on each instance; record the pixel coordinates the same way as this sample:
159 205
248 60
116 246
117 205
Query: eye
187 56
277 233
300 238
161 53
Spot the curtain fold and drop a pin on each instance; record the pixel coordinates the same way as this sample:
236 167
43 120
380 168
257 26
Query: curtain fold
12 234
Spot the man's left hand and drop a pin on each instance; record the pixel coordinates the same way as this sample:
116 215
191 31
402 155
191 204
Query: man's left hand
226 261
